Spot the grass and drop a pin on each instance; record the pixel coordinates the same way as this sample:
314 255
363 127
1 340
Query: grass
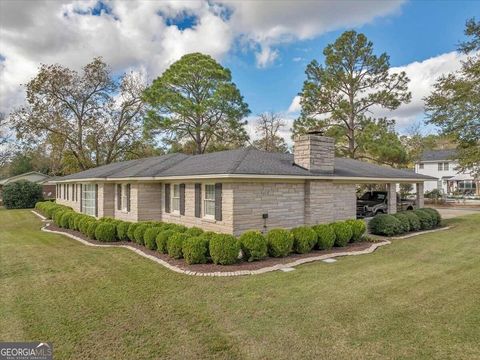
417 298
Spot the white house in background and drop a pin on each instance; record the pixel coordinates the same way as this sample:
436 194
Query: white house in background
442 164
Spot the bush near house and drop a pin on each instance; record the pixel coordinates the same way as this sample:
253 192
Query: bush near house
279 242
21 194
405 221
197 246
326 236
253 245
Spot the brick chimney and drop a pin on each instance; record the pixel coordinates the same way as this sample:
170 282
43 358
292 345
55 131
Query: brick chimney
314 152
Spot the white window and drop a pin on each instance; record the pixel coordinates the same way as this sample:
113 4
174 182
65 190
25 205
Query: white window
209 200
420 166
176 198
88 199
124 197
445 166
440 166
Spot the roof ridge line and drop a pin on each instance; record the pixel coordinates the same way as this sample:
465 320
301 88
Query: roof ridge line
237 163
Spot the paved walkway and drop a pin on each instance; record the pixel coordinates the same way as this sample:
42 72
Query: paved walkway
448 213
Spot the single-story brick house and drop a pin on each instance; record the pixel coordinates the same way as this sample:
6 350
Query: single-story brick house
233 191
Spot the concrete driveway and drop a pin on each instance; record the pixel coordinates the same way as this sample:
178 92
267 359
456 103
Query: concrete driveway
448 213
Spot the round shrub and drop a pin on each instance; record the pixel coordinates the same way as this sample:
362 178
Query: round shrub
122 228
404 222
435 215
343 233
66 218
150 237
253 245
131 231
175 244
304 239
427 221
138 233
358 229
384 224
57 217
194 250
21 194
175 227
326 236
162 239
92 226
105 231
84 223
279 242
413 220
194 231
224 249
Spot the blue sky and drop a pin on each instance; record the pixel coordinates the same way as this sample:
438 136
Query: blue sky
266 44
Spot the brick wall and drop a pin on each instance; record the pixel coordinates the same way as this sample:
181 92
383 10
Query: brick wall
315 152
106 200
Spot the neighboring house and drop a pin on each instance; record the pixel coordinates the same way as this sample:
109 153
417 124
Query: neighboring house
442 164
232 191
48 187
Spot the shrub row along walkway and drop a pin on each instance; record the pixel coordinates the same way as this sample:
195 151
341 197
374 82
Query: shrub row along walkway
244 268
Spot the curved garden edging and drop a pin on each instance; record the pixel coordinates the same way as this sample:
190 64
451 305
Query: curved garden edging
263 270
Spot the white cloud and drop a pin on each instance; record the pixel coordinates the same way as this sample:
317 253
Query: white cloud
422 75
134 34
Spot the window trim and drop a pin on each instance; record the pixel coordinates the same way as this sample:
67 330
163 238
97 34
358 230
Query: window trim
446 166
91 189
421 166
440 166
210 200
174 199
124 198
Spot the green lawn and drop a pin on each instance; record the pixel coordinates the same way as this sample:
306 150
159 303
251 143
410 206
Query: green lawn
417 298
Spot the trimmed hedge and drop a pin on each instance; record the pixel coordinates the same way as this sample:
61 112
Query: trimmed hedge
343 233
22 194
304 239
162 240
358 229
150 237
175 244
435 215
194 250
279 242
325 236
122 228
105 231
427 220
65 219
224 249
253 245
404 222
139 232
131 231
194 231
413 220
384 224
92 226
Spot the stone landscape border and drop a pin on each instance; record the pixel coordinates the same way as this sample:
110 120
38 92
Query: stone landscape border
297 262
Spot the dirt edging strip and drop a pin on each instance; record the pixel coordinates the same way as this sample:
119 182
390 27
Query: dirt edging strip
263 270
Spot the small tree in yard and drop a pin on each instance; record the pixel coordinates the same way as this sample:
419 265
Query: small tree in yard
268 127
21 194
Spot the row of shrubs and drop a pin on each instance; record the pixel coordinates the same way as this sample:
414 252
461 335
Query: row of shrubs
197 246
405 221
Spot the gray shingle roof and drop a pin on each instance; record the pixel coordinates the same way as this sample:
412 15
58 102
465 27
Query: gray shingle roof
246 161
435 155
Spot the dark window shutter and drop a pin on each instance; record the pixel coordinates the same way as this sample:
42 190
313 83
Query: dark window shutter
167 198
198 200
182 199
68 191
96 200
119 196
81 196
218 201
76 192
128 197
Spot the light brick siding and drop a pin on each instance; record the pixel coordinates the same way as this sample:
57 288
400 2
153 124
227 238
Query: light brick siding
315 152
283 202
288 204
392 198
75 205
189 219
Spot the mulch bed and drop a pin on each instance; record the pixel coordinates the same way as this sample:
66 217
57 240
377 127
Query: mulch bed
206 268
